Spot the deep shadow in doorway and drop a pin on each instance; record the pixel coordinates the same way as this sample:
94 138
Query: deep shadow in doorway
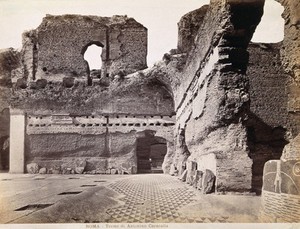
151 151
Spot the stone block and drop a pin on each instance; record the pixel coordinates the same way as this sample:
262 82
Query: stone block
32 168
198 179
113 171
182 167
79 170
133 170
191 171
66 170
290 177
76 164
208 182
292 150
55 170
270 170
173 170
183 176
43 171
282 177
96 164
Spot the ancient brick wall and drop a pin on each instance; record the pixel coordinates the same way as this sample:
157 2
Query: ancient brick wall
211 94
268 125
290 59
75 118
60 142
141 93
56 48
268 84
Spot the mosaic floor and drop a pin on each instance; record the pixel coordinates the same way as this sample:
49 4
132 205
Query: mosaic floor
154 199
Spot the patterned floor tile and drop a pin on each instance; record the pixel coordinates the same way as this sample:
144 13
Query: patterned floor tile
153 200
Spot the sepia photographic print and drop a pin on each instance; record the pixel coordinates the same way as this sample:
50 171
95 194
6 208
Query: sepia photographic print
150 114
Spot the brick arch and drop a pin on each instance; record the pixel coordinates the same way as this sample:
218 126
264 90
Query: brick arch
83 51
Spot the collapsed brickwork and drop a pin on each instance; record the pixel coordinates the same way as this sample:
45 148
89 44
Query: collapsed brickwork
74 120
235 105
211 95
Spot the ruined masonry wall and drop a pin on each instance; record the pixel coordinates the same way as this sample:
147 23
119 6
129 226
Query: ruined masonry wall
268 84
56 48
211 101
268 125
290 59
58 142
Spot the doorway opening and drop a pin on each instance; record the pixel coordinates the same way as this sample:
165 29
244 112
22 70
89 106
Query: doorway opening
151 151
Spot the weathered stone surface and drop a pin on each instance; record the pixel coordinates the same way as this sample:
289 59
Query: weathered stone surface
269 180
191 171
173 170
198 179
281 186
43 171
292 150
76 164
282 176
188 28
98 164
290 172
211 99
89 30
66 170
32 168
79 170
208 182
55 170
183 176
113 171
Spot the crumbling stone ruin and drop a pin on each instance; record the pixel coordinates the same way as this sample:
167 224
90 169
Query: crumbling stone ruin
217 111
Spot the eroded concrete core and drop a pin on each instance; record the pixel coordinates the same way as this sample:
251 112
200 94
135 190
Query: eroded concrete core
213 111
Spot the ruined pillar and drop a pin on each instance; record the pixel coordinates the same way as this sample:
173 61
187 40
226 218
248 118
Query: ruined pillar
17 141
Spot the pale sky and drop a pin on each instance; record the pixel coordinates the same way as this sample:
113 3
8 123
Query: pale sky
159 16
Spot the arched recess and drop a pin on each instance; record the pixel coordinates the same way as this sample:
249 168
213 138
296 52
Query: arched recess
92 53
150 151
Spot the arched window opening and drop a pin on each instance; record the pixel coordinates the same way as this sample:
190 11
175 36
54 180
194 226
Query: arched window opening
92 55
271 27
